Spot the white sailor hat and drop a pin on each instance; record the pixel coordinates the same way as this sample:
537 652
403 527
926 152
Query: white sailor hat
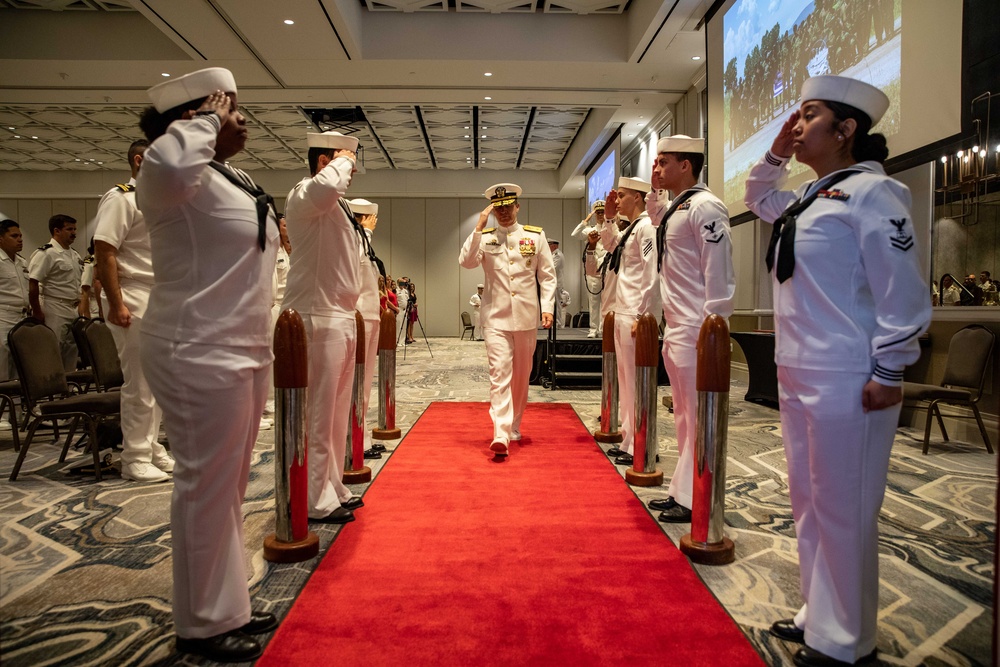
846 90
634 184
332 139
480 286
503 194
680 143
363 207
190 87
554 241
597 205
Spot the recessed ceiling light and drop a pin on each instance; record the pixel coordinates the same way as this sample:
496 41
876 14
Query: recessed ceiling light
695 57
640 116
467 136
289 22
487 98
485 128
91 159
165 74
487 73
33 137
483 137
631 135
11 128
100 163
17 136
466 127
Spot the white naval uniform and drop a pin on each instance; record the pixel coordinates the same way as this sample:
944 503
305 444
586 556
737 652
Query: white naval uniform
477 328
850 313
13 306
281 266
516 261
592 274
324 284
635 294
206 352
696 280
558 261
87 280
369 305
58 271
121 225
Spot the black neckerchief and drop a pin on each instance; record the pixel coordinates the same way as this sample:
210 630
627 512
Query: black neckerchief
262 200
616 256
661 231
365 242
784 228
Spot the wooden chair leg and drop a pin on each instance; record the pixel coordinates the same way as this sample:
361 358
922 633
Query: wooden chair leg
982 427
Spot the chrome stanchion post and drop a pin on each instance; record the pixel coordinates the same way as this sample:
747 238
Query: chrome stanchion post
386 379
608 431
292 541
647 356
355 470
707 543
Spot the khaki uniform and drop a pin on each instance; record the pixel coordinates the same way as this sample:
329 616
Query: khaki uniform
13 305
58 271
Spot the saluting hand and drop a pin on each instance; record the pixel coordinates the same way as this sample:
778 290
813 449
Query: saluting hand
782 146
483 217
218 102
611 206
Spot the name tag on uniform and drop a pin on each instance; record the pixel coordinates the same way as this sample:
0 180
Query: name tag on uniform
493 241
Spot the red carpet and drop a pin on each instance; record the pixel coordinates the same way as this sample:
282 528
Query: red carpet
546 558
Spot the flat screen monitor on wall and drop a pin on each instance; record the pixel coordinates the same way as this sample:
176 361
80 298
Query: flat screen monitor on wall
602 177
760 52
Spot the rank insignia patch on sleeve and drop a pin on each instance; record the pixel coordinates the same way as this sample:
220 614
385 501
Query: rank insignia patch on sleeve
901 240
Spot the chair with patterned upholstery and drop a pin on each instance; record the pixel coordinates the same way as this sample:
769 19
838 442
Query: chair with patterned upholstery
969 354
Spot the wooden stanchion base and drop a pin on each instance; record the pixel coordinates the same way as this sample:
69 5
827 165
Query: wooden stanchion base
634 478
607 438
358 476
721 553
277 551
386 434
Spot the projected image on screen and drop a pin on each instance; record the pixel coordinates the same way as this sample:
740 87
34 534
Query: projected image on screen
772 46
602 180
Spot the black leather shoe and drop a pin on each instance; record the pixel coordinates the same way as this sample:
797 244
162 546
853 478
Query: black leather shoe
354 503
661 504
615 451
787 630
372 454
676 514
259 623
232 646
810 657
378 447
624 460
339 515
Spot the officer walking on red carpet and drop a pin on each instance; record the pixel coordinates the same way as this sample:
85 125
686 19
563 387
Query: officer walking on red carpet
517 263
695 254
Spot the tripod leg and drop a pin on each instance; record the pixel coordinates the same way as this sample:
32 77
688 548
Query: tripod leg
426 342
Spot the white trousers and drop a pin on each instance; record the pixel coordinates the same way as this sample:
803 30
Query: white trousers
509 354
59 316
9 317
594 301
838 461
680 358
477 326
332 343
371 363
140 418
211 396
625 353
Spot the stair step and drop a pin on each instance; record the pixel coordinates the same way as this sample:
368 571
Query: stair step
577 375
579 357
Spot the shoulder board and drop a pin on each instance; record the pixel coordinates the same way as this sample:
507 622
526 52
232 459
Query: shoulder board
489 230
46 246
125 187
535 230
89 260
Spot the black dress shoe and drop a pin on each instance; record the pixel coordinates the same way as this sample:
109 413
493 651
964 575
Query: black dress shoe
661 504
787 630
354 503
624 460
232 646
372 454
339 515
259 623
615 451
378 447
676 514
810 657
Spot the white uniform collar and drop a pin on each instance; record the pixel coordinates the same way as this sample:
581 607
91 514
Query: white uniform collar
509 230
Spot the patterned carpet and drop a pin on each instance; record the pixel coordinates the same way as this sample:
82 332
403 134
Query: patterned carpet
85 567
